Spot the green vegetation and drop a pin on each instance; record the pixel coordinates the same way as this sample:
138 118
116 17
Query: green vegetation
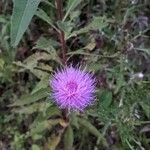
110 38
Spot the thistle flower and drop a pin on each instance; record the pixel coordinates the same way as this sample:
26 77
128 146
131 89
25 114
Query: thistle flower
72 88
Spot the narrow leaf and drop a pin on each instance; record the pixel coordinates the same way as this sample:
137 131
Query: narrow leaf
43 15
72 4
87 125
27 99
68 139
23 11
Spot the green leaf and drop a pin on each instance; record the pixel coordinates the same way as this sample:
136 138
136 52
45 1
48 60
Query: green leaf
74 120
47 113
35 107
45 44
68 139
41 126
48 45
42 84
96 23
35 147
105 98
28 99
71 5
33 64
23 11
48 3
66 27
87 125
1 64
146 108
80 52
43 15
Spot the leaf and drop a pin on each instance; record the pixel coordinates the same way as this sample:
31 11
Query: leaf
80 52
47 114
96 23
146 108
74 15
35 107
2 19
74 120
52 111
39 127
23 11
35 147
42 84
105 98
42 15
87 125
95 66
68 139
33 64
30 98
48 3
1 64
66 27
45 44
71 5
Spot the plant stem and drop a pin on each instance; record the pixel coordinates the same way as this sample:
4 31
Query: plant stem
59 6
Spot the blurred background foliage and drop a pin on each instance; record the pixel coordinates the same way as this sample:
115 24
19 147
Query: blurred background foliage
111 38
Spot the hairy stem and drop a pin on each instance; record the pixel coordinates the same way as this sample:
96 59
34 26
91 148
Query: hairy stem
59 6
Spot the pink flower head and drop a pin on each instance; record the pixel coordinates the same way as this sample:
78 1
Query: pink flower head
72 88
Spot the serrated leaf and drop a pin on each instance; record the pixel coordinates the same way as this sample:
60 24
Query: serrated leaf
96 23
23 11
68 139
31 98
48 45
45 44
32 64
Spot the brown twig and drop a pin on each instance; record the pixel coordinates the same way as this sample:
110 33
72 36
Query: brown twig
59 6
